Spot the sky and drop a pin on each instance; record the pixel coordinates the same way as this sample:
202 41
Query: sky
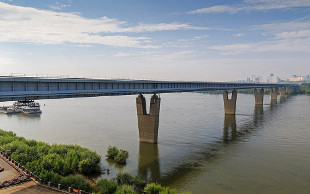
184 40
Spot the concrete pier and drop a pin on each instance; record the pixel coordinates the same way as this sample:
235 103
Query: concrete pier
230 104
148 123
273 94
282 92
259 97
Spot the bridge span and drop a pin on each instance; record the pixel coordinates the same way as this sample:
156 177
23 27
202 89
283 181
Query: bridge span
33 88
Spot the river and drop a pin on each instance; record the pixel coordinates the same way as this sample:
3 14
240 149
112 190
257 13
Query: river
262 149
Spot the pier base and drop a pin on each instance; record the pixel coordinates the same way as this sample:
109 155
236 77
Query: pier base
148 123
282 92
230 104
273 94
259 97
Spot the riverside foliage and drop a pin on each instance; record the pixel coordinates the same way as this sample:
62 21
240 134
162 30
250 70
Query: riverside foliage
62 164
66 164
120 156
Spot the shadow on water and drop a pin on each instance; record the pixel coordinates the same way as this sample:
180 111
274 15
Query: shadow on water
282 99
193 161
22 116
230 128
148 167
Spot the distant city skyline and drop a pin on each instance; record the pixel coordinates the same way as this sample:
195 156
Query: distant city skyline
164 40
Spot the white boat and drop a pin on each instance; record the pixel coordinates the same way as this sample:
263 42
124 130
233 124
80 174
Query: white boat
3 109
28 106
12 110
32 110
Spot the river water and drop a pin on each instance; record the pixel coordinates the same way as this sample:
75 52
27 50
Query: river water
260 149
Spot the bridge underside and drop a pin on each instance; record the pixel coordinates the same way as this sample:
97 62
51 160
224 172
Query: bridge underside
16 88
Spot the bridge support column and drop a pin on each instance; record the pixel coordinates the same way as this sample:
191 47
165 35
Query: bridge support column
148 123
273 94
282 92
230 104
259 97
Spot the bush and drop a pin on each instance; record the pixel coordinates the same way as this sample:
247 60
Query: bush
106 186
168 190
52 162
127 189
124 178
121 157
112 152
76 182
139 181
153 188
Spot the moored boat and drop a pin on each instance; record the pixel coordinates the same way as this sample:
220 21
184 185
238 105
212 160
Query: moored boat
12 110
32 110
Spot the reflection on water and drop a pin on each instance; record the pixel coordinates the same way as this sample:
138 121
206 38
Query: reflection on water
273 102
21 116
282 99
230 128
148 163
258 110
191 161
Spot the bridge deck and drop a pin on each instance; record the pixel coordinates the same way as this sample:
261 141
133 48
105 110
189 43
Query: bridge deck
20 88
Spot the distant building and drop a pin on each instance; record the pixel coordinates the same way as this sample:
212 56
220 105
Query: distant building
298 78
269 79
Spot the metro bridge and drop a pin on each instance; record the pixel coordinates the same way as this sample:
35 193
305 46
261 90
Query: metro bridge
33 88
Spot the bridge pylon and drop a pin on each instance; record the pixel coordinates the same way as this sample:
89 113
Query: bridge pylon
230 104
273 94
282 92
259 97
148 123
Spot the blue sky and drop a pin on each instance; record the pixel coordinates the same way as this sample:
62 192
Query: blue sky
155 39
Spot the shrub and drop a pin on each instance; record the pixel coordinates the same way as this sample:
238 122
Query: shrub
124 178
76 182
121 157
127 189
52 162
106 186
112 152
168 190
139 181
153 188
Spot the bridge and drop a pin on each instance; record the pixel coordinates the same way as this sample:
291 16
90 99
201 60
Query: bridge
33 88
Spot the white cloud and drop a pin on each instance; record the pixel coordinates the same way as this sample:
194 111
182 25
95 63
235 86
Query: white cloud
239 34
59 6
292 36
25 24
282 45
284 26
252 5
215 9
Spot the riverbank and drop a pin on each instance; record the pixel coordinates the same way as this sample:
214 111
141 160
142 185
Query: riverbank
51 164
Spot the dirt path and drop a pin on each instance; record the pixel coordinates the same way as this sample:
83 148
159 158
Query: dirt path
8 173
28 187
